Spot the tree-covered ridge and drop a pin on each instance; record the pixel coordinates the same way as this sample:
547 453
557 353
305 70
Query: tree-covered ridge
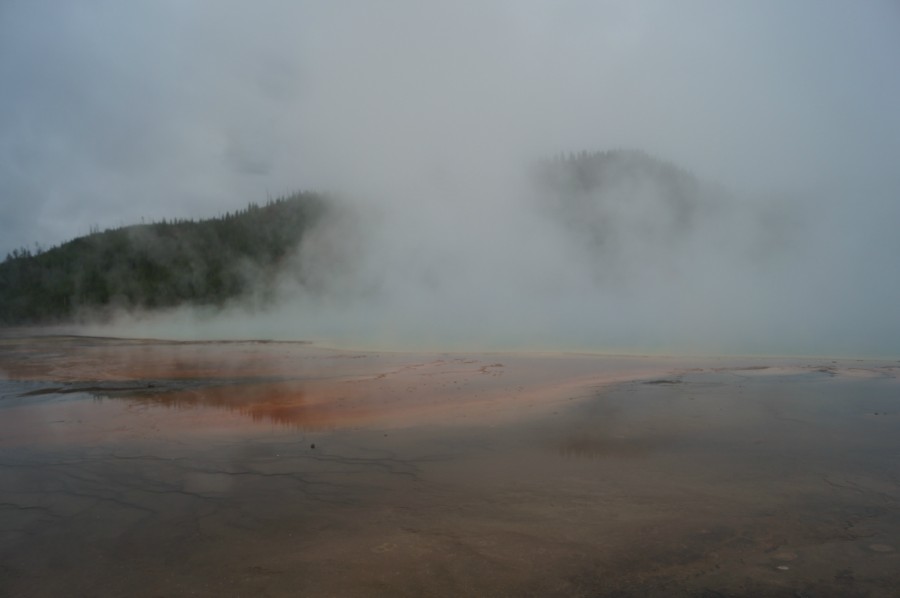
157 265
621 209
620 197
586 171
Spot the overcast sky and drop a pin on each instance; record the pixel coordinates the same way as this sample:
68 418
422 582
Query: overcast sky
112 112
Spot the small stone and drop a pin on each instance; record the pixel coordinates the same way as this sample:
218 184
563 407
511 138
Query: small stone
313 445
881 548
783 568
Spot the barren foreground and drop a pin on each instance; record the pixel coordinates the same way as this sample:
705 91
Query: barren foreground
152 468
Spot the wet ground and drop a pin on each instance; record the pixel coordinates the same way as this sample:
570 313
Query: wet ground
151 468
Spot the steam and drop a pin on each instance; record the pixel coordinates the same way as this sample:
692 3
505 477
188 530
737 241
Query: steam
499 263
427 120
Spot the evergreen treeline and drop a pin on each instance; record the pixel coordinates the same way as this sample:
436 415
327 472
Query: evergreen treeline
619 201
584 171
574 176
624 196
157 265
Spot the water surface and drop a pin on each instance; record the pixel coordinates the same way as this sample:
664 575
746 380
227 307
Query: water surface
152 468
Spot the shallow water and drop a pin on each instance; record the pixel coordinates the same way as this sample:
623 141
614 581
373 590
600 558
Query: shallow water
149 468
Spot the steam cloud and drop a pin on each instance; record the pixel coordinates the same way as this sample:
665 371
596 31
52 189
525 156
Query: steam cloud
426 119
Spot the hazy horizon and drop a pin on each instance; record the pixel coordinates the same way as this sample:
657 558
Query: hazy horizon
422 118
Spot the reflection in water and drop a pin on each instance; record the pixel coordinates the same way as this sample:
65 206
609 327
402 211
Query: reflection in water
441 475
300 405
282 403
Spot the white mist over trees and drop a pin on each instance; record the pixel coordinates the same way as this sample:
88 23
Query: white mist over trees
421 117
613 250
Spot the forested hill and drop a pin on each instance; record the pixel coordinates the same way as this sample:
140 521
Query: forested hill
616 206
624 200
157 265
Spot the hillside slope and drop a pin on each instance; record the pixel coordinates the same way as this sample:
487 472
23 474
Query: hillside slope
157 265
625 213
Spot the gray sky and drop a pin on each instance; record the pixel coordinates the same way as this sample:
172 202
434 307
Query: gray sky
111 112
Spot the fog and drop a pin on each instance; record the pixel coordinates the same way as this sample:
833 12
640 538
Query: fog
425 121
